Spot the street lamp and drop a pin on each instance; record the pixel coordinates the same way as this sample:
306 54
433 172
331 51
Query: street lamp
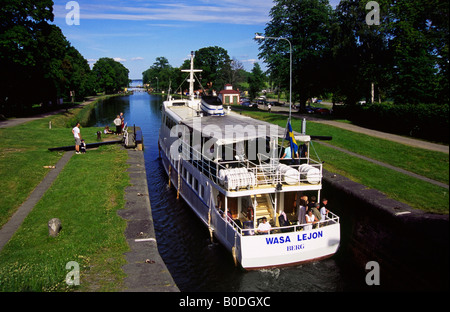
257 36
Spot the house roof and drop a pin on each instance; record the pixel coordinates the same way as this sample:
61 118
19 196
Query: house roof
229 92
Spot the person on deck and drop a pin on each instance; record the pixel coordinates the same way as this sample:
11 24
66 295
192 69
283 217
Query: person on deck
310 220
264 227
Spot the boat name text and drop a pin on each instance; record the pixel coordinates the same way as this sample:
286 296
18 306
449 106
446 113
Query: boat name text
287 239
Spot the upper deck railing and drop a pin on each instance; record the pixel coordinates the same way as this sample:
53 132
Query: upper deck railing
243 174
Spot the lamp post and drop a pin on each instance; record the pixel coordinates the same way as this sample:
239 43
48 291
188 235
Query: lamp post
290 66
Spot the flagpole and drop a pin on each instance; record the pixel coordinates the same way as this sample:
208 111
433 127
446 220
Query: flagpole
284 137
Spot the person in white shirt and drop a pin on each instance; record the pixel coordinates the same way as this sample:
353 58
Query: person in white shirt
77 136
264 227
310 220
118 124
323 211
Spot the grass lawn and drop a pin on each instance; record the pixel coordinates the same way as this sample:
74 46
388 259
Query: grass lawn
416 193
85 197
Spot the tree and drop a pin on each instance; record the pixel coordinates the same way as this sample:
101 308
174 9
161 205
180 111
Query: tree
419 37
215 63
19 23
235 73
306 23
256 81
36 57
159 73
111 76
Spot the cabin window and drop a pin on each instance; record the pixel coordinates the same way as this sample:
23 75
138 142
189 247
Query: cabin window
202 191
190 178
196 185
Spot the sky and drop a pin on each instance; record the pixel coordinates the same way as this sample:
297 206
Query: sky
136 32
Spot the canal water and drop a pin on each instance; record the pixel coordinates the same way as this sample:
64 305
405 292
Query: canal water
184 242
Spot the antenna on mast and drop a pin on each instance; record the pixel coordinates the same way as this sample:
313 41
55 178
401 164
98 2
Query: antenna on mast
191 76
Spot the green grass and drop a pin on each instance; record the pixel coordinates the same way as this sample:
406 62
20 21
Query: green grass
416 193
85 197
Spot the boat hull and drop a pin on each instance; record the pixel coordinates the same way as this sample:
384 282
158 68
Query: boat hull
283 249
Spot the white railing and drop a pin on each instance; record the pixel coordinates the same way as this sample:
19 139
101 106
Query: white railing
250 174
331 218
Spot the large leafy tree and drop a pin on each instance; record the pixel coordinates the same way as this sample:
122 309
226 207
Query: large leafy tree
306 24
20 24
110 75
403 58
216 64
419 37
159 74
36 57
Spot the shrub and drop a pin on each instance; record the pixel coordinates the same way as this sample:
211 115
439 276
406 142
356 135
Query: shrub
425 121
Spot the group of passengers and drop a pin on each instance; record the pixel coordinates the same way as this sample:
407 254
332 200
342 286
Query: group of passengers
310 212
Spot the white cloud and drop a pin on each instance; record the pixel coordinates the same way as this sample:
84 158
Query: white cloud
252 61
248 12
139 58
118 59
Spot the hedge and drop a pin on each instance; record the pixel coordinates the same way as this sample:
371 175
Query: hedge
425 121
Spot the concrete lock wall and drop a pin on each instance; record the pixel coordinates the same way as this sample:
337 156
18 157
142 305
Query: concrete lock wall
410 246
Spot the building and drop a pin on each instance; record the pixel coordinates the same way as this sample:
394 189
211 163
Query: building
229 96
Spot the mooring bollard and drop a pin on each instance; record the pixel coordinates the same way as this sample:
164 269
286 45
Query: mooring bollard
54 226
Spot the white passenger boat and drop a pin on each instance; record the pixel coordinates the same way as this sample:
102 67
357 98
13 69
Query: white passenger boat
227 168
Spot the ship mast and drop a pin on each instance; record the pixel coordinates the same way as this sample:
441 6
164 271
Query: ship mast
191 77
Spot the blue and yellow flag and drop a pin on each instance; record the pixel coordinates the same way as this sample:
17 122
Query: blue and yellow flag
291 138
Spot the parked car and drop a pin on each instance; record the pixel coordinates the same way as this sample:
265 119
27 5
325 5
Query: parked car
249 104
261 102
316 110
322 111
310 109
277 104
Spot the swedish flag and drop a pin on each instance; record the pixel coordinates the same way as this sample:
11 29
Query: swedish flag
291 138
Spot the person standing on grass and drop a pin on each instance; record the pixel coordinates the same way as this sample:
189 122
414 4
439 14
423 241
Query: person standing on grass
118 123
77 136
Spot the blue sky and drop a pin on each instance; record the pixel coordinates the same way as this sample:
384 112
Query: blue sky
137 32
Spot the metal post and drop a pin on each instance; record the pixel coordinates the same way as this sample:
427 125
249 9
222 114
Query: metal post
290 66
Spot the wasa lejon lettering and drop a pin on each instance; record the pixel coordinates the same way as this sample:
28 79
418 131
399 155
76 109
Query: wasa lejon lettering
287 239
